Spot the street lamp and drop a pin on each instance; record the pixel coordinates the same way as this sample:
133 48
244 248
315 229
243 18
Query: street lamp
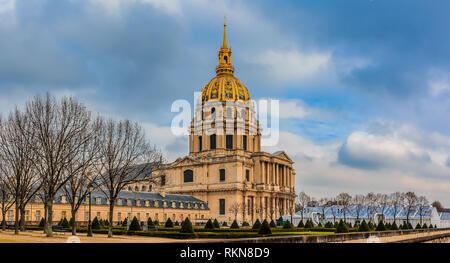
89 231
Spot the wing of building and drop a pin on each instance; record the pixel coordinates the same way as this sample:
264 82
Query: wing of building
225 166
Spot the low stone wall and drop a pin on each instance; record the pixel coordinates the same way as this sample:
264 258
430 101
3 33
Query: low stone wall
341 237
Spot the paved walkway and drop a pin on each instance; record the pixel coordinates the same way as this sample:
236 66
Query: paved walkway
400 237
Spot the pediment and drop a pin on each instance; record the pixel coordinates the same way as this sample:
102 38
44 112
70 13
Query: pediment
282 155
187 160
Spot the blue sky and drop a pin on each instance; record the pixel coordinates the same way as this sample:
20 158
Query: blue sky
364 85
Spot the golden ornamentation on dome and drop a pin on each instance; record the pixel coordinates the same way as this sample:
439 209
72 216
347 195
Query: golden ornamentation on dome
225 86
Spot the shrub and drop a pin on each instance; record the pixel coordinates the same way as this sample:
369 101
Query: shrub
381 226
342 227
335 224
135 226
186 226
125 222
216 223
209 224
272 224
95 223
329 225
364 227
418 226
265 228
156 222
177 224
280 221
224 223
149 222
300 224
106 222
388 226
409 226
394 226
287 225
234 225
168 223
245 223
371 226
424 225
65 223
256 225
309 224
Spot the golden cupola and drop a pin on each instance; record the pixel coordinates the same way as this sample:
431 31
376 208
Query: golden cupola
225 86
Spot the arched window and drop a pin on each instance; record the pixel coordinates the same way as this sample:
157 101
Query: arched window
200 144
243 114
188 176
136 188
212 141
225 59
143 188
229 113
150 188
213 113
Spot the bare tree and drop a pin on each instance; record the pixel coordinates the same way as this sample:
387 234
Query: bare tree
344 200
83 171
371 201
302 201
359 202
383 203
324 203
16 163
57 134
235 208
7 201
410 202
125 158
422 206
396 200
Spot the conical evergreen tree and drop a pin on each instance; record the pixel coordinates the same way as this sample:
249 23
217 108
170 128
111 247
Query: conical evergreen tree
224 223
418 226
149 222
394 226
371 226
125 222
135 225
216 223
209 224
234 225
309 224
329 224
287 225
364 227
264 228
65 223
256 225
96 223
342 227
245 223
272 224
186 226
300 224
168 223
424 225
381 226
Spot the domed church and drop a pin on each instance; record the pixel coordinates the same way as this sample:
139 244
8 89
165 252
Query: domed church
225 166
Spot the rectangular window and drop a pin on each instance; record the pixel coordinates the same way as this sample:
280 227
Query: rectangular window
200 145
229 141
222 206
119 216
247 175
222 175
163 180
244 142
38 215
212 142
188 176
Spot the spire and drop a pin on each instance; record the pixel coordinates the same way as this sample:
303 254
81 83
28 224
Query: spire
224 33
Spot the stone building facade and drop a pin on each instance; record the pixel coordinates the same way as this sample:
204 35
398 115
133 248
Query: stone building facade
225 166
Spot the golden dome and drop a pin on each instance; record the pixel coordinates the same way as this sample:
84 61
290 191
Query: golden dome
225 86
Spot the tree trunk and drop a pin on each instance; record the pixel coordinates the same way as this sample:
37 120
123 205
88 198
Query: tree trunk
74 222
111 210
49 218
16 223
4 220
45 217
22 219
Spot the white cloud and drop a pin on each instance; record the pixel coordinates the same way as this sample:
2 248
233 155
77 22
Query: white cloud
297 109
293 65
439 82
